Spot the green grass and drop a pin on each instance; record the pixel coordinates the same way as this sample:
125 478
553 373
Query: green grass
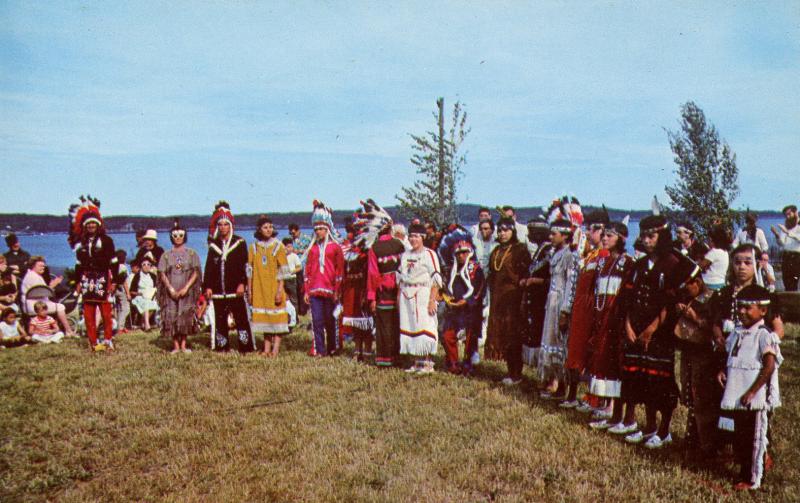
140 424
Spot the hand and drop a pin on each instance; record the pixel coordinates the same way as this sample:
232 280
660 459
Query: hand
373 306
432 307
305 298
183 292
563 321
783 228
55 281
681 306
172 293
645 338
774 230
630 335
278 298
747 398
240 290
208 294
459 303
722 377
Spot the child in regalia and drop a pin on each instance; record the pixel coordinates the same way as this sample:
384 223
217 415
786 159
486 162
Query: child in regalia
751 383
463 295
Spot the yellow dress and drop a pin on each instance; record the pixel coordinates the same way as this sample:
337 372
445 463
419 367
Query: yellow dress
266 265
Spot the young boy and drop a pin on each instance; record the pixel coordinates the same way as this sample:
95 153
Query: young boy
290 281
43 328
751 384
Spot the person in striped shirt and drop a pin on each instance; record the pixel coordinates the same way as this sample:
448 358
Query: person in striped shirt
42 327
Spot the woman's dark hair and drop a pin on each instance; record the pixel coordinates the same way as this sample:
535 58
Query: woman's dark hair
720 237
294 227
508 222
620 246
664 244
287 241
263 219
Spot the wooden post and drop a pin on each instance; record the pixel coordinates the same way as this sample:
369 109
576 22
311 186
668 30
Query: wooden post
442 164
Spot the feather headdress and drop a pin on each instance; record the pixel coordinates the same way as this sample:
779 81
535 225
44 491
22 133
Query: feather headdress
222 211
321 215
369 222
456 239
88 210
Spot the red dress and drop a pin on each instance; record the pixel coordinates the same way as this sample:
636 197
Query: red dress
606 341
583 313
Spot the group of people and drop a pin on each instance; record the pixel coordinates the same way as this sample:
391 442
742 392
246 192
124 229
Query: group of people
560 294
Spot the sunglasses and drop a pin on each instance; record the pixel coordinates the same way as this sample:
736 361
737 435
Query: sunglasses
178 234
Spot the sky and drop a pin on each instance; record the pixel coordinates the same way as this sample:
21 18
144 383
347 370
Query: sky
165 108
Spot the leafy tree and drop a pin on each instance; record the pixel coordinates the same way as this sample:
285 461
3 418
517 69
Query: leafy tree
707 176
438 161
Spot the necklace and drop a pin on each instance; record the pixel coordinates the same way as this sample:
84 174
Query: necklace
497 267
604 293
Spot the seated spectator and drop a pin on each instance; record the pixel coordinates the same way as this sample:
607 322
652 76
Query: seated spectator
17 257
767 272
35 277
9 285
42 327
143 292
11 332
150 249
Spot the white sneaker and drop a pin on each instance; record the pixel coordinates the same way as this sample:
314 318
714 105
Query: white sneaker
412 370
623 429
508 381
584 408
602 414
656 442
600 425
638 436
427 369
187 350
109 344
569 404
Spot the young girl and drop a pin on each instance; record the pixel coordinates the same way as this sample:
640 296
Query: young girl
419 280
751 384
11 332
43 328
563 272
143 291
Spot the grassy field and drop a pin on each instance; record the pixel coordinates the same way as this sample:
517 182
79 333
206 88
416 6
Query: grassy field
141 424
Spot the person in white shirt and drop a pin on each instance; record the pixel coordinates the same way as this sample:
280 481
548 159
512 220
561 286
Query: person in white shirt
751 234
788 236
483 214
715 263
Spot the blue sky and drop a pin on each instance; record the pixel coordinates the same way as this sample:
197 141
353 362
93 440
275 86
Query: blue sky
164 108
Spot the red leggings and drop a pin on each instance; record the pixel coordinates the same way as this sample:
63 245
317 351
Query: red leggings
90 318
450 343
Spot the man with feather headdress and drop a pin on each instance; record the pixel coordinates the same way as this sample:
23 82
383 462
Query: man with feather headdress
324 272
96 262
367 223
463 295
383 262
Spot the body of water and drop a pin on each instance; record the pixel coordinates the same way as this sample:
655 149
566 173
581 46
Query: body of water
59 256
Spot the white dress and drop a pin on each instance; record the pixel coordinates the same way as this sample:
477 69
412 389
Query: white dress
563 274
147 300
419 271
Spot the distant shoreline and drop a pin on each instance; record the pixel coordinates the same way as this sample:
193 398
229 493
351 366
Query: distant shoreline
25 223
